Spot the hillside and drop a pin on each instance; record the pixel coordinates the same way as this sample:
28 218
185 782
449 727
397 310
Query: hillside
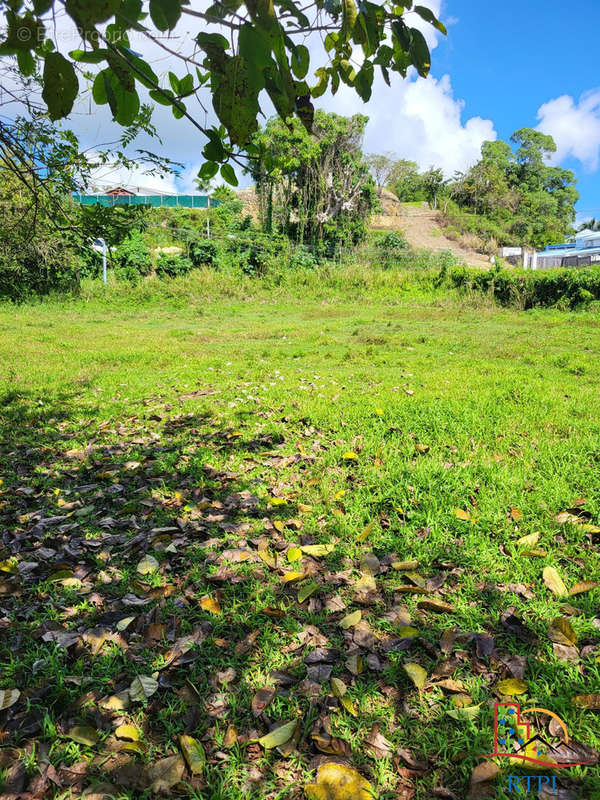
422 229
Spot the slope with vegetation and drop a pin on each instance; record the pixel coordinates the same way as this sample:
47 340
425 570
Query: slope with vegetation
511 196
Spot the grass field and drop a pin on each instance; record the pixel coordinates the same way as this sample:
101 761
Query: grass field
164 458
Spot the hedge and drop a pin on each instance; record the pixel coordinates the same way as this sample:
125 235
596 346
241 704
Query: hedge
528 288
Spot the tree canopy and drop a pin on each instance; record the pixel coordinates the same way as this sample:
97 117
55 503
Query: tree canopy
314 187
517 187
262 54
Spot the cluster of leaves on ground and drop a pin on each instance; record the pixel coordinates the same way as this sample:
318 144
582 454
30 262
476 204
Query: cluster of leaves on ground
181 614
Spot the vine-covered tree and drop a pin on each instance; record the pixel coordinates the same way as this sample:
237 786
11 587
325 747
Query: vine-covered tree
315 186
243 53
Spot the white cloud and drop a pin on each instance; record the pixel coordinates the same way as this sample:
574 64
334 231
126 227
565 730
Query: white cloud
418 119
111 175
575 127
421 120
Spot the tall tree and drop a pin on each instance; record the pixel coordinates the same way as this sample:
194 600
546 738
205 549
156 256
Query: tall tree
317 186
517 188
383 167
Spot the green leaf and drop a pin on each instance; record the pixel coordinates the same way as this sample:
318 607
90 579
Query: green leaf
321 87
208 170
174 81
279 736
209 41
228 174
300 61
186 85
194 754
419 52
89 56
165 13
363 81
26 62
307 590
428 15
468 712
160 98
60 85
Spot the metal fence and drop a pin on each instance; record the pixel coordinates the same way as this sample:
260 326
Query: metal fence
155 201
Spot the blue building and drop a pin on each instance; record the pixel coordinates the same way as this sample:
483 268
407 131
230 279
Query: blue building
582 251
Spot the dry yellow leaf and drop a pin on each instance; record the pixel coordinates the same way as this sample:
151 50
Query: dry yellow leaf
339 782
561 631
350 455
317 550
208 603
554 582
461 514
129 732
512 686
530 540
416 673
404 565
591 701
293 577
583 586
194 754
364 534
294 554
351 619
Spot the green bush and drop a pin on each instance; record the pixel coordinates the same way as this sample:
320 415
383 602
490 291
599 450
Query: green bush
391 242
528 289
303 258
132 259
203 253
172 266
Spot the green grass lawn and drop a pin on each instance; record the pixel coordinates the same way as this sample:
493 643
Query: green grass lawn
163 462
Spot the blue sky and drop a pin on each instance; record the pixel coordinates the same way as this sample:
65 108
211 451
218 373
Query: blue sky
507 59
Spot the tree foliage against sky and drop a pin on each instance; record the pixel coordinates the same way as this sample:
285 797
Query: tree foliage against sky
242 54
517 187
316 186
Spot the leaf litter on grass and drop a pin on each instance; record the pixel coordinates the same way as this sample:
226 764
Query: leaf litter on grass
181 631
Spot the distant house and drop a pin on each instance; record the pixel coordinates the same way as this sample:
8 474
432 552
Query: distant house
120 191
582 250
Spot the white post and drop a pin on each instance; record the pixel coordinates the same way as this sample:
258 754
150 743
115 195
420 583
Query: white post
103 242
207 227
534 261
525 254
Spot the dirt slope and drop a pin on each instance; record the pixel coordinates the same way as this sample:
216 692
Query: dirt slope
422 230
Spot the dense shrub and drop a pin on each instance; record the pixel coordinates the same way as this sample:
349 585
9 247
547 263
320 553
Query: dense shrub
132 259
527 289
391 242
203 253
172 266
